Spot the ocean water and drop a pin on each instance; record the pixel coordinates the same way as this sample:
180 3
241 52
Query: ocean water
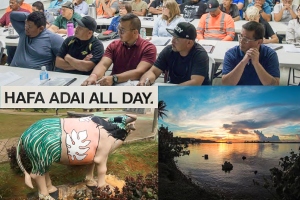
239 182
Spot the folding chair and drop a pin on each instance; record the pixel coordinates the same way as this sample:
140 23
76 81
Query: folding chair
2 47
293 76
211 69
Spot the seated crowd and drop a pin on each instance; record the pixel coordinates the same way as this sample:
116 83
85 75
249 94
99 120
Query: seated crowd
132 57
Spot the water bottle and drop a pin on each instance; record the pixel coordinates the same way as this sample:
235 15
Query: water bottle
11 30
70 29
143 33
92 11
44 76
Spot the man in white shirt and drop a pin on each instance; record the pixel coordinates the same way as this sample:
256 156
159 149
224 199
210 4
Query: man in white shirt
285 11
81 7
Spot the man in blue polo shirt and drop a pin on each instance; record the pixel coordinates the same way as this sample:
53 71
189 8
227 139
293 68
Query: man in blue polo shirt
264 8
251 63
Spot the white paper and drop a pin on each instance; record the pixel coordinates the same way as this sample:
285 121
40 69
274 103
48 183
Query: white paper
291 48
128 83
8 77
160 41
208 42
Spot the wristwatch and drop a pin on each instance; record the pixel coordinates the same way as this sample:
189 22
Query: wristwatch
115 79
261 11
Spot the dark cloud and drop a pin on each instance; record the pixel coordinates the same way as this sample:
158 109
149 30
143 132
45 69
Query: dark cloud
262 137
204 131
217 137
281 116
235 129
268 105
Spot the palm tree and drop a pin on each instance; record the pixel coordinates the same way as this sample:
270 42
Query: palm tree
158 113
162 109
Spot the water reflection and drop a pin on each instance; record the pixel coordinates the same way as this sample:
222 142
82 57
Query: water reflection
260 157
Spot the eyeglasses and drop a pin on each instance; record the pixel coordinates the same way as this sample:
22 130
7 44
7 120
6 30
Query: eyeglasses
246 40
122 30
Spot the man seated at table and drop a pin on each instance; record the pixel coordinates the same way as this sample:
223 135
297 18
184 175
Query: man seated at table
139 7
80 53
131 56
251 63
67 14
156 7
39 6
240 5
193 9
253 15
37 46
5 21
185 61
215 25
81 7
285 11
231 9
15 6
263 7
23 5
107 8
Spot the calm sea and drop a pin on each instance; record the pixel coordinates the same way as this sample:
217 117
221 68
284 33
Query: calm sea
239 182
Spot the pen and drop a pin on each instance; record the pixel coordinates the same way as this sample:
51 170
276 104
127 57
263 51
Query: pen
44 81
147 80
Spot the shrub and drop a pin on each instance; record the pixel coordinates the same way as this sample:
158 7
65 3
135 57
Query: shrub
285 180
139 188
170 147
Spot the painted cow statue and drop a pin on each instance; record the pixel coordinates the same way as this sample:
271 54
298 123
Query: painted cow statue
71 141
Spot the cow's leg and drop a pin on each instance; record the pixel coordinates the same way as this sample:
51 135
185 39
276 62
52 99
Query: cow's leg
101 170
41 183
89 178
51 188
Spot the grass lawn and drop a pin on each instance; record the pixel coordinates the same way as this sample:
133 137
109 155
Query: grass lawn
128 160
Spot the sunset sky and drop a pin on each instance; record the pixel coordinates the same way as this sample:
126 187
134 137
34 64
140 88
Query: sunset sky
219 113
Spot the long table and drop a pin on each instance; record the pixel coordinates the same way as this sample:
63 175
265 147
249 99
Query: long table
27 75
278 27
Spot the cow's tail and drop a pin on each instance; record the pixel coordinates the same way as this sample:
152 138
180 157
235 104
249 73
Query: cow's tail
27 176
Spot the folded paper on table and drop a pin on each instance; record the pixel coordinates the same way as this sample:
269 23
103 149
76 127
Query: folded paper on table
58 82
297 45
291 48
208 48
128 83
8 77
274 46
160 41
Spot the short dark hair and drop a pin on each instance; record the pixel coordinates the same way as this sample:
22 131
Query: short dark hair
38 18
259 30
134 20
39 5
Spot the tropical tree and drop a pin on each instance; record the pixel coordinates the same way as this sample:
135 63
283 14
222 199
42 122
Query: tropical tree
158 113
162 109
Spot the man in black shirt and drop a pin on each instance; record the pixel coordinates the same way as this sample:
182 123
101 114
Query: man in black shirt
193 9
156 7
80 53
185 61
